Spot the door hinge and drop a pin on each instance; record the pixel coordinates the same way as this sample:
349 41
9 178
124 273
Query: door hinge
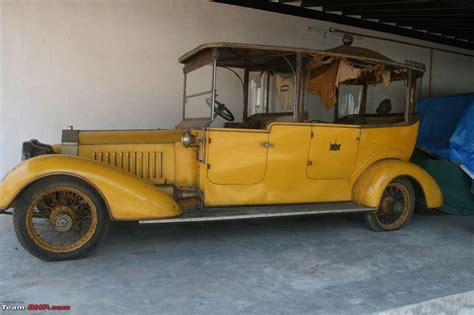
209 141
208 166
310 163
312 134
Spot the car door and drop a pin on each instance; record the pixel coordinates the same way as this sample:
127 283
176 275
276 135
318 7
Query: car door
237 156
333 151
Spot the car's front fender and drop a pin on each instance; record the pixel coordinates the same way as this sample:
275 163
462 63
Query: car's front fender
370 185
127 197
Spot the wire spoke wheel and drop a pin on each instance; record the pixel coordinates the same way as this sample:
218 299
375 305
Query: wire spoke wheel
396 206
61 219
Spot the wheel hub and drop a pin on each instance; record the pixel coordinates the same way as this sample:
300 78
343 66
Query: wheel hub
62 218
387 204
398 207
63 222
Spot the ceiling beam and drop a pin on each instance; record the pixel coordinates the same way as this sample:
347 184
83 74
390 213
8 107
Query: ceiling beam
408 13
446 29
445 25
390 7
427 20
355 3
468 5
311 3
339 19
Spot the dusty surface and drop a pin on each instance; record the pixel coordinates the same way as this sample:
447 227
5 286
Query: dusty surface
325 264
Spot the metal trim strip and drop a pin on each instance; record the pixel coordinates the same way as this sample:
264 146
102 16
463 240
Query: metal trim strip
254 216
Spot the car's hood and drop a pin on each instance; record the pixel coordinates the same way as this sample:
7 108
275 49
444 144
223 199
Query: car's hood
129 136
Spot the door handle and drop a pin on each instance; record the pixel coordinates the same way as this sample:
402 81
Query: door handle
267 145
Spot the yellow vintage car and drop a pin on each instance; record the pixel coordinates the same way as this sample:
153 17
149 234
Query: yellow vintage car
266 131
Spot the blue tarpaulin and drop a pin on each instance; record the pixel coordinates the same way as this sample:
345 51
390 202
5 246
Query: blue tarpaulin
447 129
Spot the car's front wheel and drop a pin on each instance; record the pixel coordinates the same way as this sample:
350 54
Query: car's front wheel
396 207
60 218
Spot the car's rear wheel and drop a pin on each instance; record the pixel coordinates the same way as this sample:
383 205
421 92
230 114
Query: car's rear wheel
396 207
60 218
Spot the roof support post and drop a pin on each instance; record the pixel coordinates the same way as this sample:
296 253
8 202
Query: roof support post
215 54
298 92
363 102
408 97
184 94
246 93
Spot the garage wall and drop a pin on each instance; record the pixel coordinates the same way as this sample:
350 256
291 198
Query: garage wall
2 80
113 64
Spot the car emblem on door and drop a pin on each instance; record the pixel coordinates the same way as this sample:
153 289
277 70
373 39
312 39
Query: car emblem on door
334 146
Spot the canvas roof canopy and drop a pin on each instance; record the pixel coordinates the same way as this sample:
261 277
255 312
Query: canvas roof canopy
343 64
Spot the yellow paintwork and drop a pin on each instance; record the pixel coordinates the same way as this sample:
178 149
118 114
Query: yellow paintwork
285 163
370 185
128 197
57 148
389 142
285 180
237 157
289 177
325 163
154 162
130 136
186 166
155 155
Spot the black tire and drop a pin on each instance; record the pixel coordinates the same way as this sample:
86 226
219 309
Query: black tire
386 219
27 200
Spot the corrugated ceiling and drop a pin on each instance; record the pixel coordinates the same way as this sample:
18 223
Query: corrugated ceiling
449 22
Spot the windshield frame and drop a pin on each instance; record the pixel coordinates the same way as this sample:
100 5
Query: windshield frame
203 59
211 57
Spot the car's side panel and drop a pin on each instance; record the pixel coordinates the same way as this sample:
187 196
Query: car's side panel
383 142
285 179
185 169
128 197
236 156
370 185
333 151
153 162
155 155
129 136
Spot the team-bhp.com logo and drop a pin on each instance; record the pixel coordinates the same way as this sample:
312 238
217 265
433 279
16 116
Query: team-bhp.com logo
34 307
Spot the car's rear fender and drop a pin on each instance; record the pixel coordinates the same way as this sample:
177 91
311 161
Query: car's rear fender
127 197
370 185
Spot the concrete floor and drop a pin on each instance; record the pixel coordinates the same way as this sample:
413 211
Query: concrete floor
325 264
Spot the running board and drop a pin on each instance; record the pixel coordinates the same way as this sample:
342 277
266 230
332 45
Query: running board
253 212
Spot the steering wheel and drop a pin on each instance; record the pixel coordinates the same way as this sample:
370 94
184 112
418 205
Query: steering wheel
221 110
